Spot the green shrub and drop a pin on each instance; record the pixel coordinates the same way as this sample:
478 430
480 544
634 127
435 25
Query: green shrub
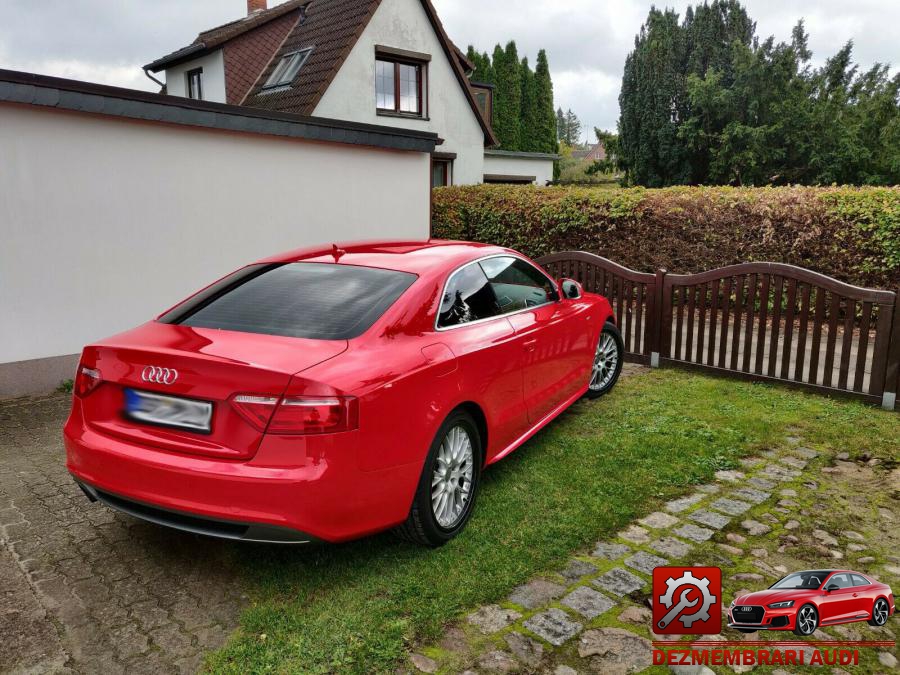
852 234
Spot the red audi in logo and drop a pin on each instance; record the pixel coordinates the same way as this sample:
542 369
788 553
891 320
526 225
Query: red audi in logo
804 601
335 392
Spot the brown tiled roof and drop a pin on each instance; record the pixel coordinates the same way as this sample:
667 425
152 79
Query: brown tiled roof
215 37
333 27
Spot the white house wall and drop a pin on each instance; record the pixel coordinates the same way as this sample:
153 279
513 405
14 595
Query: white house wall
105 223
403 24
213 77
541 169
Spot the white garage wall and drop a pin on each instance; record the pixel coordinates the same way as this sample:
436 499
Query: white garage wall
509 165
106 222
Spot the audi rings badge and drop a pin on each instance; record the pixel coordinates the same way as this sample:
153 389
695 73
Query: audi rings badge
157 375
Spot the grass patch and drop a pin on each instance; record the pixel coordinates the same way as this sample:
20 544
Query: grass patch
358 607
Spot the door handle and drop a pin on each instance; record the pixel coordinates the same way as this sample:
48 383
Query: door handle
529 345
855 595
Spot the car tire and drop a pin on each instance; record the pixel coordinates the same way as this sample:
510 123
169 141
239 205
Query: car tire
607 365
433 520
806 614
880 612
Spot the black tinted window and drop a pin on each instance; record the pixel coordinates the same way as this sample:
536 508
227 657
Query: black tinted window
303 300
839 580
516 284
860 580
468 297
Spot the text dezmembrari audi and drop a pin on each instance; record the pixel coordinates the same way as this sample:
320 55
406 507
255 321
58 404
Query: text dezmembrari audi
331 393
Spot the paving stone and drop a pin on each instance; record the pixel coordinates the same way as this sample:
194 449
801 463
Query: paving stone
750 462
733 507
788 492
736 538
793 440
714 520
856 548
887 659
710 488
554 626
423 664
587 602
576 569
865 560
635 534
658 520
498 662
729 476
610 551
855 536
683 503
755 528
780 473
751 495
792 525
759 553
619 582
806 453
637 615
731 550
527 650
793 462
491 618
694 533
824 537
645 562
762 483
536 593
671 546
565 670
615 651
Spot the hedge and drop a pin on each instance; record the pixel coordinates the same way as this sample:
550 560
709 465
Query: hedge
852 234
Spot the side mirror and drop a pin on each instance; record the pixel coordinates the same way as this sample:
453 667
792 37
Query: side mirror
832 587
571 289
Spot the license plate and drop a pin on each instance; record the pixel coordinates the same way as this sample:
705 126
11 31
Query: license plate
168 411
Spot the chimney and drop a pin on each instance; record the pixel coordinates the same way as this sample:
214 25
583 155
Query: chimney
254 6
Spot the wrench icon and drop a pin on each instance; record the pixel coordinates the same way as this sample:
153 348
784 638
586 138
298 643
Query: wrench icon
676 610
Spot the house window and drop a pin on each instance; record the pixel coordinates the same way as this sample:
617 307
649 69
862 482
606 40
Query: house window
398 87
441 172
195 84
286 70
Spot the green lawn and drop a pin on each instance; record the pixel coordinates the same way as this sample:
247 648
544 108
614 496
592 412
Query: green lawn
359 607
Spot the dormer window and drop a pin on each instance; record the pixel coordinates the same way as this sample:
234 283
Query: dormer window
400 82
286 70
195 84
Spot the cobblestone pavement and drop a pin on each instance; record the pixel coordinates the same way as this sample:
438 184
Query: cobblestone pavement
789 509
85 590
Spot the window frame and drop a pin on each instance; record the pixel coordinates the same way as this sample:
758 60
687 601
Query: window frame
448 171
396 61
303 55
189 76
502 315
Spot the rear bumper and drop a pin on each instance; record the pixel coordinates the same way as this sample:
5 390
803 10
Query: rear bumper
292 490
186 522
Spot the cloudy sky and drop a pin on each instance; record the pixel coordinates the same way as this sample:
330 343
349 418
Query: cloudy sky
587 40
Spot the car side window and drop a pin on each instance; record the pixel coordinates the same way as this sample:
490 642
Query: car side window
841 580
467 297
516 284
859 580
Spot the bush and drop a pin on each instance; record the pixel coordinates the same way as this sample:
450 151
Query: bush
852 234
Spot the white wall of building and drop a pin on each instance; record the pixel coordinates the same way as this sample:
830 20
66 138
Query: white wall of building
541 168
213 77
105 223
403 24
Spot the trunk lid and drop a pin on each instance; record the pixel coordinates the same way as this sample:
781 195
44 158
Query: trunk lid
212 366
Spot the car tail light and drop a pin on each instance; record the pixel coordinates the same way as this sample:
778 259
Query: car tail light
298 414
86 380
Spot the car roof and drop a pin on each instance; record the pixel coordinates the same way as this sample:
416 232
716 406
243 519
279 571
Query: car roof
423 258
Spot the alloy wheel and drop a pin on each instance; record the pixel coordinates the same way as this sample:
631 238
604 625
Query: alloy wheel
451 482
606 359
807 620
880 612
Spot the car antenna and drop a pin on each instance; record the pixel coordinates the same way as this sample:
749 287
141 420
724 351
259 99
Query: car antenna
338 253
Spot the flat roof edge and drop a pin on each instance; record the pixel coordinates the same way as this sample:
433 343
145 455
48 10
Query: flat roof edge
513 154
87 97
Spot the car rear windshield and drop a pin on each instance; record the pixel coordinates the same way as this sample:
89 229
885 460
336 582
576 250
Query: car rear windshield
304 300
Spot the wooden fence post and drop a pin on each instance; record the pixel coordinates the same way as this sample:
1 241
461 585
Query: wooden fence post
659 314
892 369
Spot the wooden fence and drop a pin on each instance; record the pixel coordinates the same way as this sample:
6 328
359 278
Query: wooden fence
760 321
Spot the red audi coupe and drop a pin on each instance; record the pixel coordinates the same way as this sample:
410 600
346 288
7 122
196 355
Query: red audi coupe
327 394
803 601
